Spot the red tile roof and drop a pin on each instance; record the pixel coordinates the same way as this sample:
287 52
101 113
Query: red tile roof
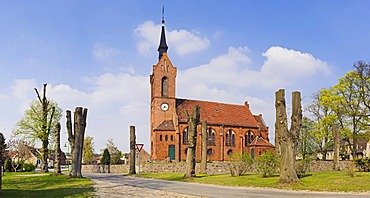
260 141
261 122
166 125
217 113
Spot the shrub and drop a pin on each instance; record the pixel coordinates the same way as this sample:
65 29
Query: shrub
267 163
301 167
363 164
239 164
8 165
27 167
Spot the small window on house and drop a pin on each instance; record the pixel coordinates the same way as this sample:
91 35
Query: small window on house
209 152
171 137
166 137
260 153
229 152
160 137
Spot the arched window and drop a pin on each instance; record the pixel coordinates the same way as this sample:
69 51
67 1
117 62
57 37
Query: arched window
171 137
164 86
185 136
166 137
249 136
160 137
211 137
229 152
230 138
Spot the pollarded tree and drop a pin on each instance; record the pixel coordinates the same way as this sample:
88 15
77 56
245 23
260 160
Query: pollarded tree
288 138
38 123
193 121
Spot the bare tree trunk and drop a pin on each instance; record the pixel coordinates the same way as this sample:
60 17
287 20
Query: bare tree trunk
57 151
45 141
193 121
45 156
336 135
132 150
71 140
2 149
288 139
203 163
76 139
277 129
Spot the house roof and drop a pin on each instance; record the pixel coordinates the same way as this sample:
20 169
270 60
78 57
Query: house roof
260 141
217 113
166 125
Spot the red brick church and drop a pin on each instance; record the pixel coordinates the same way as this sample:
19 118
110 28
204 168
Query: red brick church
231 128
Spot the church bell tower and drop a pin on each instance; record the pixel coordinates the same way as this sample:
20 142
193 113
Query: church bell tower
163 86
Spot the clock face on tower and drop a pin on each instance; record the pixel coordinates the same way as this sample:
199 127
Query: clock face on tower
164 106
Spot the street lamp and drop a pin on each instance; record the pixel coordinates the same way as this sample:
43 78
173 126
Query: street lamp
66 145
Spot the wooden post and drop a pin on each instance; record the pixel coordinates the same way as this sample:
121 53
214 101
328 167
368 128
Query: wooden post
203 163
132 150
336 135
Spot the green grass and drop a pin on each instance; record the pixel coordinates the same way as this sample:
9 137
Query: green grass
45 185
316 181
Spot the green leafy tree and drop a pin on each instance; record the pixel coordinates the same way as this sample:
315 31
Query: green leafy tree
88 150
38 124
105 160
115 153
352 108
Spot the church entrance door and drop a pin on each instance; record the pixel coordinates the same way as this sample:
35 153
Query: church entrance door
171 152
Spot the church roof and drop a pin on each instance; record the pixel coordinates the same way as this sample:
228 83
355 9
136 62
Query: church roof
166 125
217 113
261 122
260 141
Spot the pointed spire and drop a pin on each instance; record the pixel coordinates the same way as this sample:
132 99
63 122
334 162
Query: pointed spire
162 44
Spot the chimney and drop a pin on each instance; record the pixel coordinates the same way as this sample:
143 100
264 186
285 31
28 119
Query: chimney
246 104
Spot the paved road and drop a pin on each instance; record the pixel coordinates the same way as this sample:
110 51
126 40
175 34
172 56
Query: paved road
113 185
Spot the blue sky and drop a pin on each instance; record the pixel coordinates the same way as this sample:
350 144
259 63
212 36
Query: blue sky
99 55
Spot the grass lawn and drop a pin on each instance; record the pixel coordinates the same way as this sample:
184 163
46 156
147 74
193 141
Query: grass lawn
45 185
316 181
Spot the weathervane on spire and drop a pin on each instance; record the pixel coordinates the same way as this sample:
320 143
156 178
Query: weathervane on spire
162 14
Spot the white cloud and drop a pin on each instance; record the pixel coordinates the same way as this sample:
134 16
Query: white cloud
103 52
22 88
182 41
284 65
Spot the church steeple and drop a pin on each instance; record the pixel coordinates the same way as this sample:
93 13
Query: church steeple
162 43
